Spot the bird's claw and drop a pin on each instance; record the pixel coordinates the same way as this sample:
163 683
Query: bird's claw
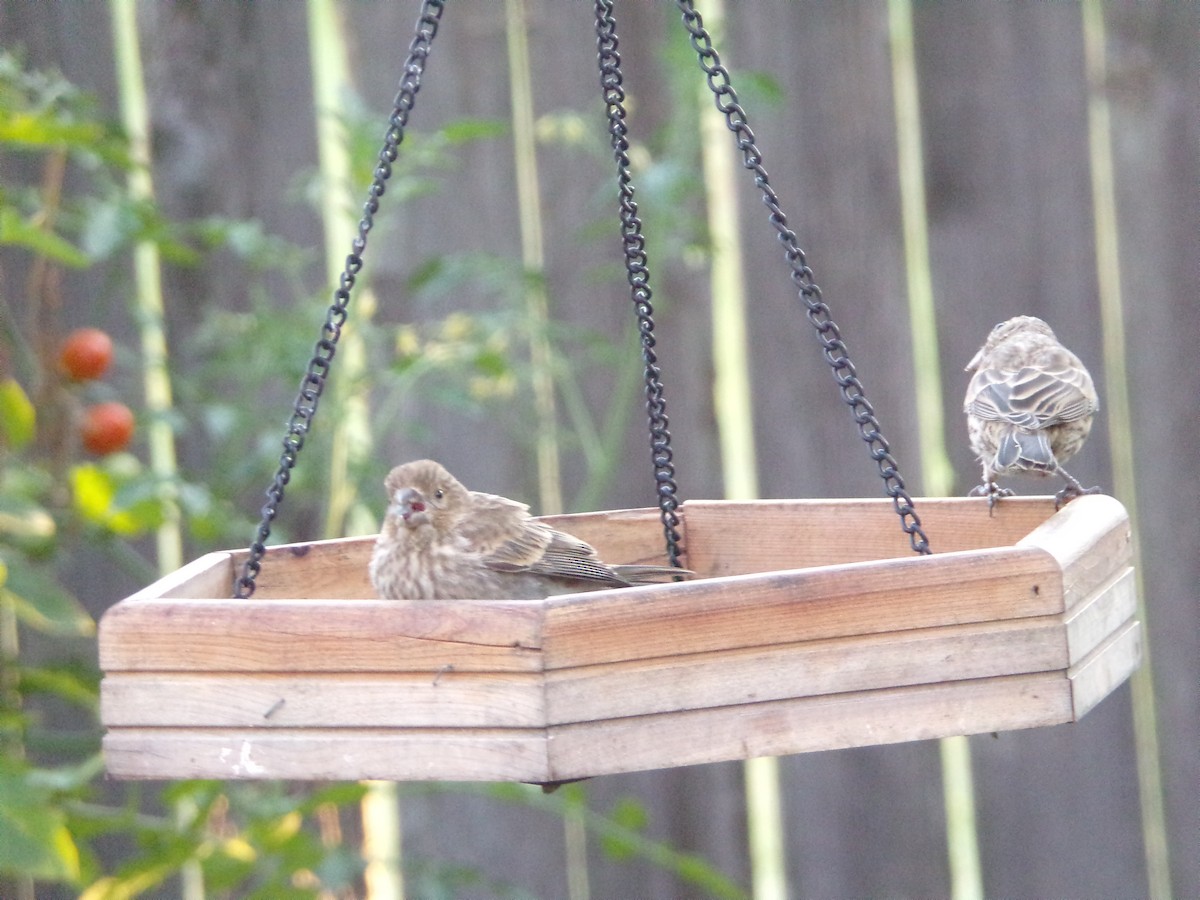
992 491
1070 492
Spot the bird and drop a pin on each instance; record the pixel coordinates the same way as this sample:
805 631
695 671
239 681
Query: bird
440 541
1029 405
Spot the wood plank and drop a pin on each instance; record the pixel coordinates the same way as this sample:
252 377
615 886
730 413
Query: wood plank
836 665
1092 621
737 537
1106 667
786 607
447 699
320 636
334 569
625 536
327 754
338 568
210 575
1091 539
809 724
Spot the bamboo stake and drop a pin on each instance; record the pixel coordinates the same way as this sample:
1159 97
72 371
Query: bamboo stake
346 514
148 299
537 312
1120 436
529 213
962 840
734 414
135 117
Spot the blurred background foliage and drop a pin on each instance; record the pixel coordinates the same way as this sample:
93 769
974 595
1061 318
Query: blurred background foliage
1007 101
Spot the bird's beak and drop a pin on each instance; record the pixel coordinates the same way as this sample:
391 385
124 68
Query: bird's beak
409 505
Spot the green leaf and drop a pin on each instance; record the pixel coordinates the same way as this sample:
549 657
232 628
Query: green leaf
36 841
630 818
462 131
116 500
18 419
66 684
67 779
25 525
42 603
41 130
16 231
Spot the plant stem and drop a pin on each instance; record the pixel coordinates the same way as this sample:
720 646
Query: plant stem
1120 437
148 301
937 475
351 442
156 378
734 414
529 213
541 359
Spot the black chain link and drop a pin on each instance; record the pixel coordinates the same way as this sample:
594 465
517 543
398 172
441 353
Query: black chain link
833 347
313 383
638 276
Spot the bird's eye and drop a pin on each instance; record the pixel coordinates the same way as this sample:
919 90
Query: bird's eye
439 494
997 326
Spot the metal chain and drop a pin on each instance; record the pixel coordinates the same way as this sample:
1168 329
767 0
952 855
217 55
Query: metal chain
313 383
638 276
833 347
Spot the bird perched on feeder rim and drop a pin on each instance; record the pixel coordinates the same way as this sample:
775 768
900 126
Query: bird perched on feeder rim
440 541
1029 406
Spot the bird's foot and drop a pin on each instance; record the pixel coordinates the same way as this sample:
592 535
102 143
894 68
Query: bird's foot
992 491
1071 491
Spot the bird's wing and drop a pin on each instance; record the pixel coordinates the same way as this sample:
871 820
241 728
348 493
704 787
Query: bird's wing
1057 391
509 540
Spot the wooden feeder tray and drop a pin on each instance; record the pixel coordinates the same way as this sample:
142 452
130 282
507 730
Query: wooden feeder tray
813 628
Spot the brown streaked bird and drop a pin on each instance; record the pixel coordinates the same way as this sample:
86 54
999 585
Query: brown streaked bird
1029 407
441 541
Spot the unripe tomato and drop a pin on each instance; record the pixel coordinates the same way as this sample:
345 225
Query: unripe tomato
86 354
107 428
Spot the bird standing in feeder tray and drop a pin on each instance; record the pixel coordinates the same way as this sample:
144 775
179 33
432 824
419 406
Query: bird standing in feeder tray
1029 406
441 541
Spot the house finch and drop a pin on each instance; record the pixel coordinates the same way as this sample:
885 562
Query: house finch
442 542
1029 406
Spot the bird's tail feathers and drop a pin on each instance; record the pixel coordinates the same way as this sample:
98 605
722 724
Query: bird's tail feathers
1025 450
651 574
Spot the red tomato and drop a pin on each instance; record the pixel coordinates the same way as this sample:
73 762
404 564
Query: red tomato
86 354
107 428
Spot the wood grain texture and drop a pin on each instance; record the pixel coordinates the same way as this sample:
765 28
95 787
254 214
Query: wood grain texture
594 748
837 665
1106 667
319 636
1091 621
210 575
448 699
784 607
736 537
811 724
333 569
1090 537
331 754
625 536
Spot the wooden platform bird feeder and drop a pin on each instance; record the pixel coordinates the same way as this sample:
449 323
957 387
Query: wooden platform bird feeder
812 628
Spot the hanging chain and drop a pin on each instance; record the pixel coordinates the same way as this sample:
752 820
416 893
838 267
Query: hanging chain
313 383
638 276
833 347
